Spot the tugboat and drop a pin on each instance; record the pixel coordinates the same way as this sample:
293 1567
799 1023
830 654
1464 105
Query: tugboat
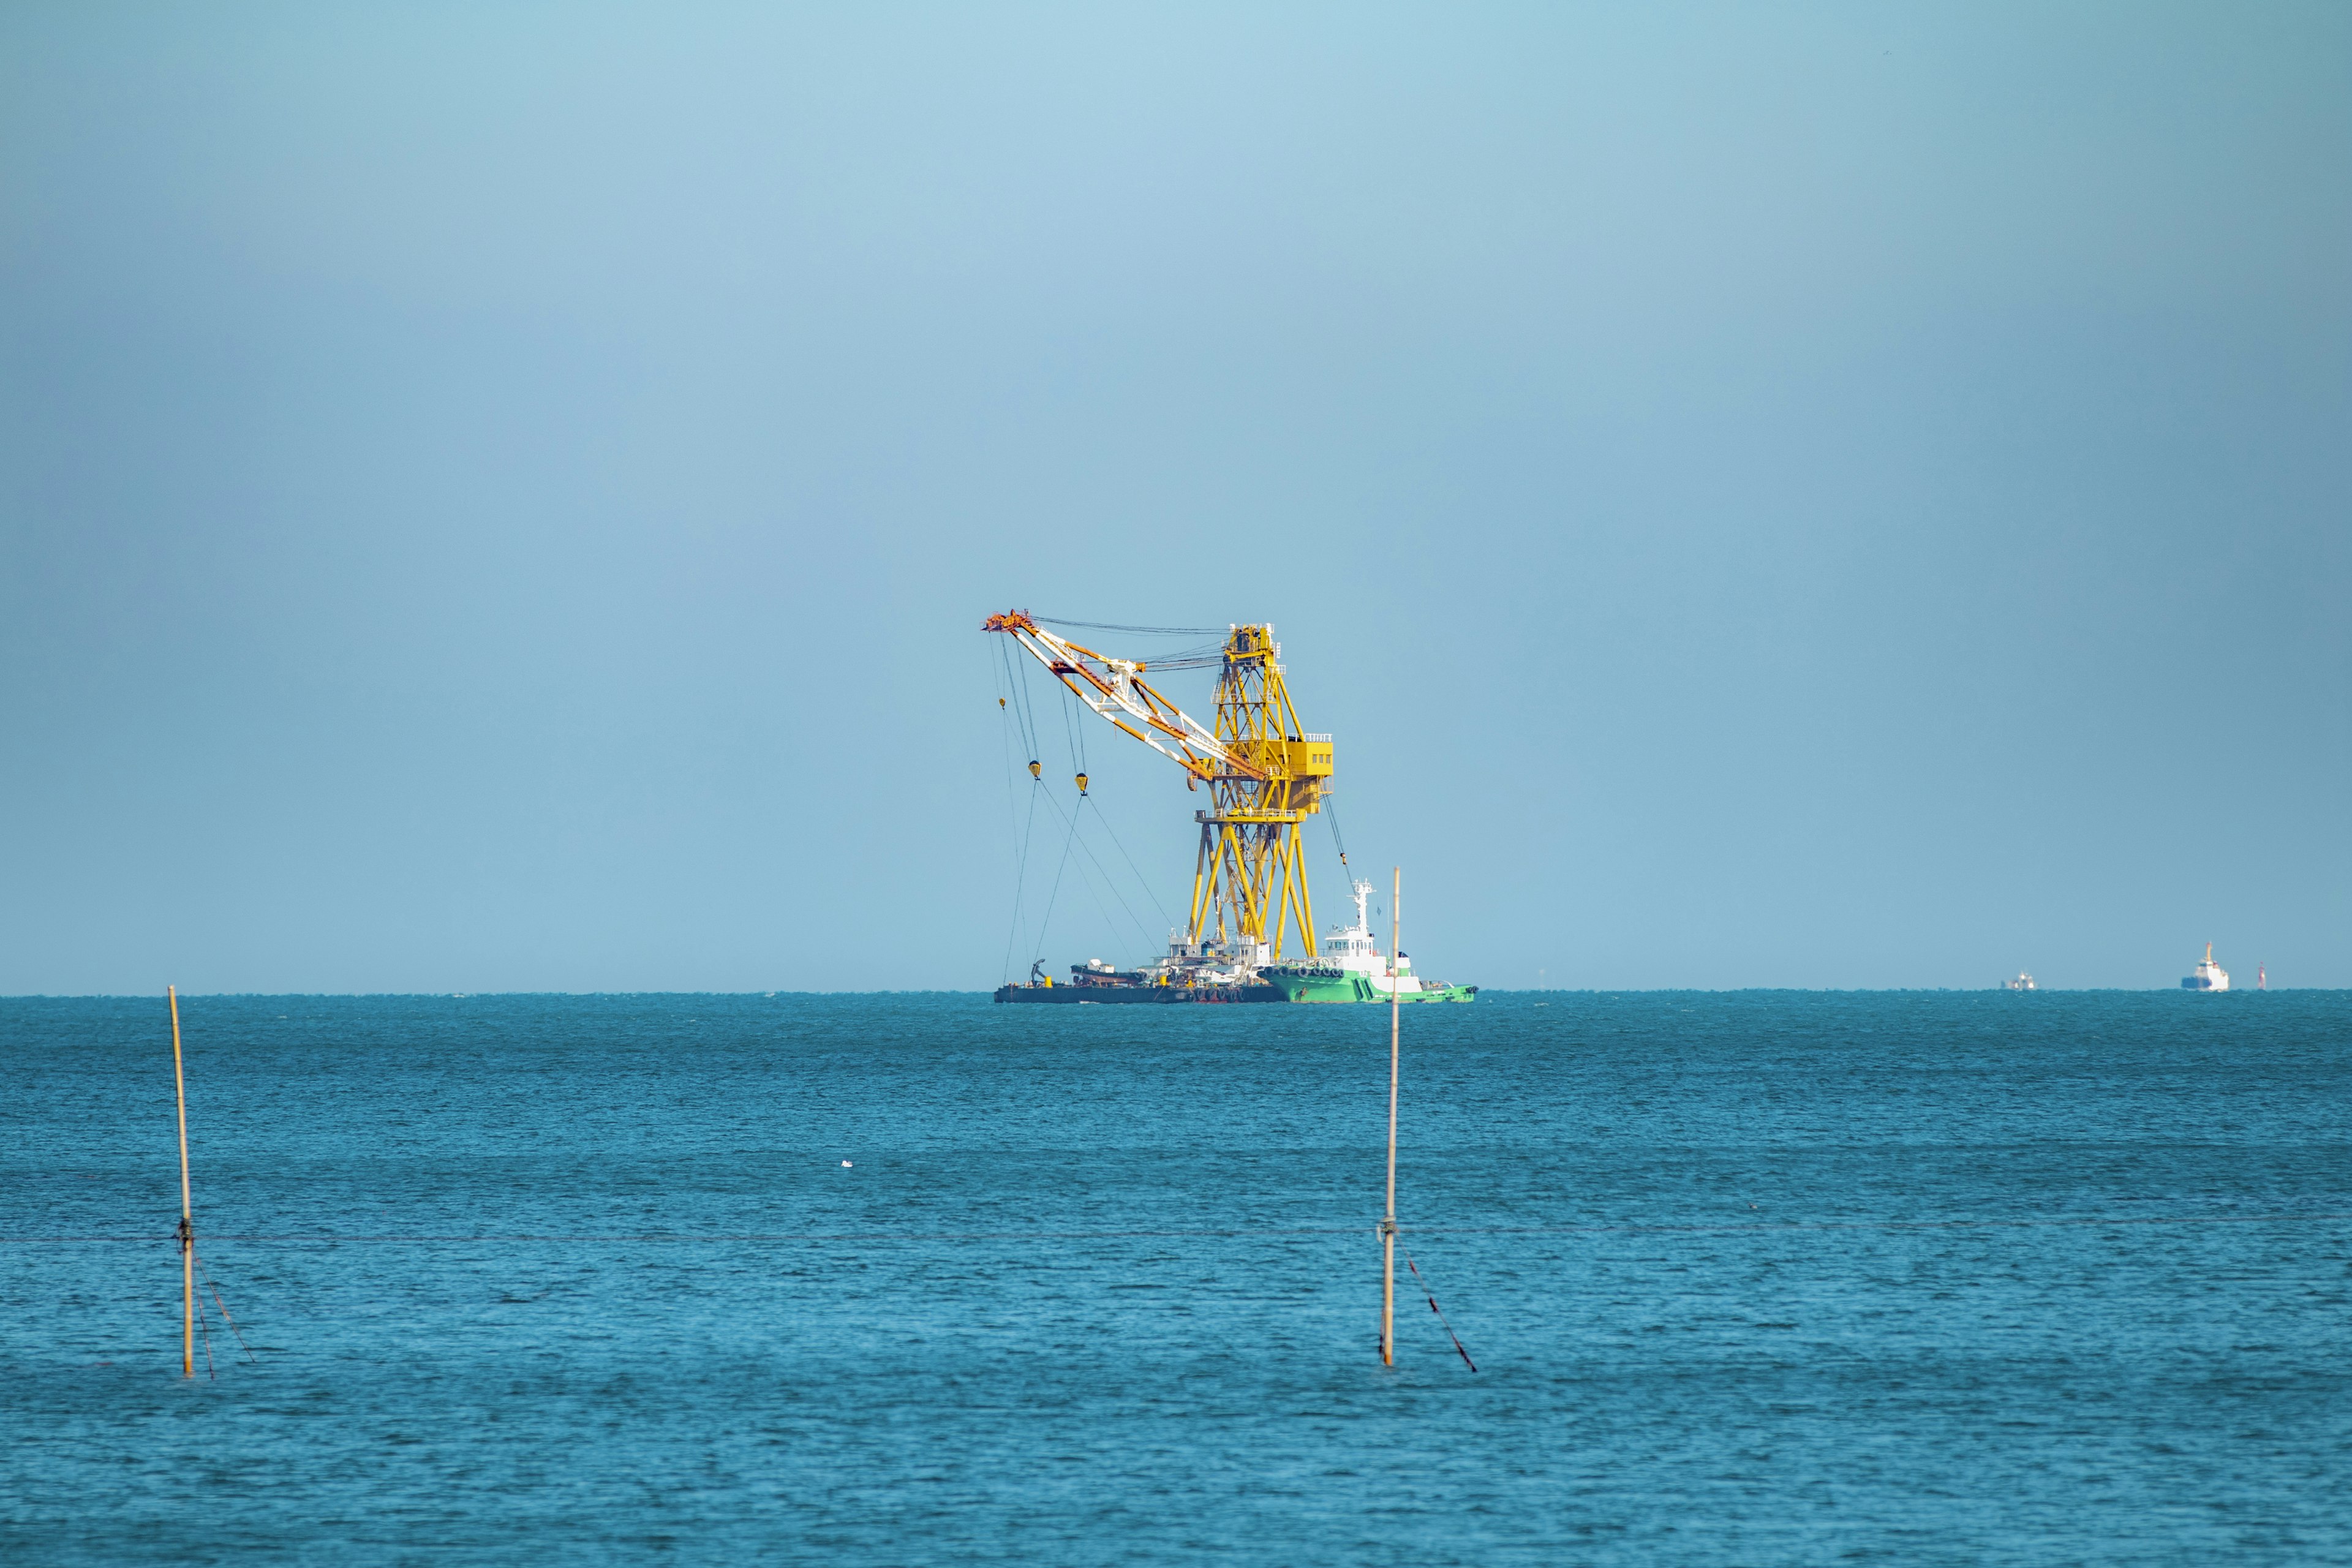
1351 968
2209 975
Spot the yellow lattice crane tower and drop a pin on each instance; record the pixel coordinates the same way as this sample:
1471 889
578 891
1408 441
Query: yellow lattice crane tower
1265 775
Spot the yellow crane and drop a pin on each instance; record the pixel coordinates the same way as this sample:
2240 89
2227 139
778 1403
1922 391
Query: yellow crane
1265 775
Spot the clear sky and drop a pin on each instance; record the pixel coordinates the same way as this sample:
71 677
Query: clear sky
504 497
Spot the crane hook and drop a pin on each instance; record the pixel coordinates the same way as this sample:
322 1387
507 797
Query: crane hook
1034 771
1082 784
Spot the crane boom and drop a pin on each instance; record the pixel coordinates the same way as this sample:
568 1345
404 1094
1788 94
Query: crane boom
1115 686
1264 774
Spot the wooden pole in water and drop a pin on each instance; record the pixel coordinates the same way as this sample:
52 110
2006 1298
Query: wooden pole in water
1388 1225
187 1218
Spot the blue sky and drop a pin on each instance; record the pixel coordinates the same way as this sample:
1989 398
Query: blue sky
504 497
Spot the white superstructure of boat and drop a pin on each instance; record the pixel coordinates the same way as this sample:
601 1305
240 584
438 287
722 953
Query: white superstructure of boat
1348 966
2209 975
1355 950
2023 981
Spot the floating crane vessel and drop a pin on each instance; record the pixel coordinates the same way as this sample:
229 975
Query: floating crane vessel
1264 776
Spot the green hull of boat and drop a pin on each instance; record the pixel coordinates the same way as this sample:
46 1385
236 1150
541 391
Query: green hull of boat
1303 983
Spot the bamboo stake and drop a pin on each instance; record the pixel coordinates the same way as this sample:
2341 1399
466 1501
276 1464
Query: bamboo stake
1388 1225
187 1218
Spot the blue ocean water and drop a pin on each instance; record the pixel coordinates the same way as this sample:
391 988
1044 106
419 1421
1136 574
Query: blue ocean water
1751 1278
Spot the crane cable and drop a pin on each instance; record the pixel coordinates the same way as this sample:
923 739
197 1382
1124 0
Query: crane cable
1143 631
1072 734
1024 833
1108 880
1140 879
1017 678
1079 771
1046 921
1142 931
1078 757
1074 731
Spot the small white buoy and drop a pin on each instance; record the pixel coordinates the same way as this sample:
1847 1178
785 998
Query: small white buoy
845 1164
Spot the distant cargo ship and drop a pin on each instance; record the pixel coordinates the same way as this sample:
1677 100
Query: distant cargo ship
2023 981
2208 976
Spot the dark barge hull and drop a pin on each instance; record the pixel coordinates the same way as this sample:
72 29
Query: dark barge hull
1146 994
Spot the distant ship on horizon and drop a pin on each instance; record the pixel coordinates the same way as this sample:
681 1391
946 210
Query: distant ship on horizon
2209 975
2023 981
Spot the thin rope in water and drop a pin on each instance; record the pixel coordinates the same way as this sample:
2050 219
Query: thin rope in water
205 1275
1764 1228
204 1333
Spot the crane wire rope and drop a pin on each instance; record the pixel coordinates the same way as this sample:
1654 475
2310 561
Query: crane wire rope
1022 832
1046 921
1074 731
1141 880
1144 932
1095 861
1019 680
1079 758
1140 631
1082 772
1074 736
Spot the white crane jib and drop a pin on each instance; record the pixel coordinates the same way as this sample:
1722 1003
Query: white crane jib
1113 688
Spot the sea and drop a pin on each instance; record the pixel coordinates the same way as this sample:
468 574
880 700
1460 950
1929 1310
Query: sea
1763 1278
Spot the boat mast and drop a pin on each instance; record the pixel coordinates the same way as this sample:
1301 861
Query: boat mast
187 1217
1388 1225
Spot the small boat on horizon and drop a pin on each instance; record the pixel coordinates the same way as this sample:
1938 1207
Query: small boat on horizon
2207 976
